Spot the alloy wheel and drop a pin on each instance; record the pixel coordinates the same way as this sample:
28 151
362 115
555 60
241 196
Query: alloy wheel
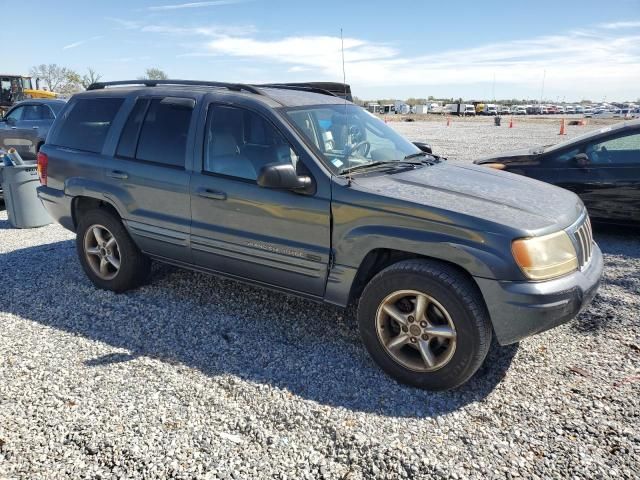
102 252
416 330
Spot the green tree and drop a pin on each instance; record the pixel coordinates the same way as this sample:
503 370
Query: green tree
72 83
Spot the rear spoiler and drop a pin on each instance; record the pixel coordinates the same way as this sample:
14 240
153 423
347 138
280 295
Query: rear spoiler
341 90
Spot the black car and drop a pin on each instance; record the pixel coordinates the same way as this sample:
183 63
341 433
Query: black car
602 167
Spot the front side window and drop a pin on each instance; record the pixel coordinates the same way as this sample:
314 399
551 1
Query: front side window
87 123
347 136
239 142
622 150
16 114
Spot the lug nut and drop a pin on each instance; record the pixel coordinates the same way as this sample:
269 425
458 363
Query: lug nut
411 319
425 336
405 329
413 340
423 324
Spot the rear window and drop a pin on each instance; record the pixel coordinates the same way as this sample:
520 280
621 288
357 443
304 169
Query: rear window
86 124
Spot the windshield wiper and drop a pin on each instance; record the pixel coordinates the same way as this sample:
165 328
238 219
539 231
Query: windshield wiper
416 155
380 163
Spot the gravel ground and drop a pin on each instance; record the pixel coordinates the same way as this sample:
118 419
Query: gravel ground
196 377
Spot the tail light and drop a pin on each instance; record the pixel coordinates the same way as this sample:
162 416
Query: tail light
43 163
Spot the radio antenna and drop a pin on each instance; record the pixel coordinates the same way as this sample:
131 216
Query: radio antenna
346 116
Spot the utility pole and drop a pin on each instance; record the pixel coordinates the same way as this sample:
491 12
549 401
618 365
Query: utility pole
493 88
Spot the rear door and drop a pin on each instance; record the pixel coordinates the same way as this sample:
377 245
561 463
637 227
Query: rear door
277 237
148 179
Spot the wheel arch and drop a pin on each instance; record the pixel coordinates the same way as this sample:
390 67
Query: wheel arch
378 259
82 204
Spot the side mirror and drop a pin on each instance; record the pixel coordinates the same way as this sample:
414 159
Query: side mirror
581 160
425 147
283 176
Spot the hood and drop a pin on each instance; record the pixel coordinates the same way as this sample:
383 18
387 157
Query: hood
512 156
495 196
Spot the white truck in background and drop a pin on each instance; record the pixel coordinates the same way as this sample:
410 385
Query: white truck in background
459 109
490 109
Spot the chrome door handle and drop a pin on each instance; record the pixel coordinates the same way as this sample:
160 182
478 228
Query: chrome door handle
117 174
213 194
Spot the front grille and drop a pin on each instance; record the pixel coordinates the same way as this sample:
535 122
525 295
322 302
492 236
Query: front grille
584 242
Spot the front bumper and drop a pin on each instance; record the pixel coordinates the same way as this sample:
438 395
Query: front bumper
522 309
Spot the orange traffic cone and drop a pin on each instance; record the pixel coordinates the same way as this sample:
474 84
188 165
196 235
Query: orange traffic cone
562 132
448 120
511 123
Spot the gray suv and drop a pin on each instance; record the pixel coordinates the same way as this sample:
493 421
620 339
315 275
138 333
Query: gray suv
293 188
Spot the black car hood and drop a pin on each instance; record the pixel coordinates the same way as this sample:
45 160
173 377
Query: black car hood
480 192
511 157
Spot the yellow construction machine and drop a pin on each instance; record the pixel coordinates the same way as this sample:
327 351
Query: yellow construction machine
14 88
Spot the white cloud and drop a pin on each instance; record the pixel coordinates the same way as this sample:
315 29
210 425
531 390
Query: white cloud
81 42
599 60
211 31
128 24
619 25
575 60
215 3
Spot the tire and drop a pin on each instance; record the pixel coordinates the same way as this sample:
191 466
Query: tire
455 312
133 266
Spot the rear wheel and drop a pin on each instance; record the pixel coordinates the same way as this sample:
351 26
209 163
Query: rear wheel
108 255
425 324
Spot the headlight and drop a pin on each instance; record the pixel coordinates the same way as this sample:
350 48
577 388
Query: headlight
545 257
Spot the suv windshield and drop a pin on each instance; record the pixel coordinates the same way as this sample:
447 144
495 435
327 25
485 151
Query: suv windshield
347 136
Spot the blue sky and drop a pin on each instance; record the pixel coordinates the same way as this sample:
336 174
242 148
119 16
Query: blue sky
589 49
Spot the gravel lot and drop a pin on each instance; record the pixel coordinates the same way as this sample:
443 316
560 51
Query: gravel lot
197 377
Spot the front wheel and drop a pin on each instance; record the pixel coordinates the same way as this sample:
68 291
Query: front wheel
425 324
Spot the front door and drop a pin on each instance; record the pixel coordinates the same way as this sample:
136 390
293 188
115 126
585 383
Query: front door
278 237
22 126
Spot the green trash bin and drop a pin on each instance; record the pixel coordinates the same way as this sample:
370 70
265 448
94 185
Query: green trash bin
24 208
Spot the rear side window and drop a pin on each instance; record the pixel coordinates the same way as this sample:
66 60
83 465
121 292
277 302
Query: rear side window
129 137
86 124
163 135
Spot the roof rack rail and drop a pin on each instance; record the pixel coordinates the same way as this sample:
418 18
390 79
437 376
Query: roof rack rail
325 88
236 87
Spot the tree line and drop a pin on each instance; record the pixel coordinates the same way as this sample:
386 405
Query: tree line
67 81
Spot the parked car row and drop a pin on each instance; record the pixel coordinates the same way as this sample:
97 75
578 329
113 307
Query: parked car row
465 109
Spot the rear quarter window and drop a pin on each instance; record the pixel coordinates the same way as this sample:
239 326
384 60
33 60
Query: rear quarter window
86 123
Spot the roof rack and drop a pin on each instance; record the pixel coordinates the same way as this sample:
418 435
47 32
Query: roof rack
324 88
236 87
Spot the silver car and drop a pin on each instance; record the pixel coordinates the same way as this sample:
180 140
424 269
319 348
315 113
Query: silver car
26 124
